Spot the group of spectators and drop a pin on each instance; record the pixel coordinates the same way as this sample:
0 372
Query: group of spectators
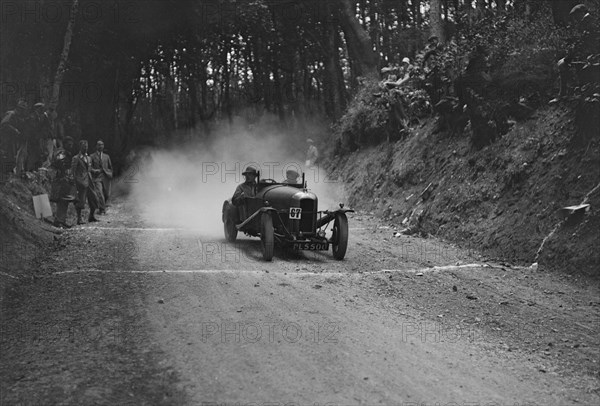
29 140
401 80
79 179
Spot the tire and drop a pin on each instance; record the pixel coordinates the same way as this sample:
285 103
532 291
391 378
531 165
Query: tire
340 236
230 230
229 224
267 236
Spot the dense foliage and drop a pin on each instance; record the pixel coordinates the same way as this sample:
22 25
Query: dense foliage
142 70
495 70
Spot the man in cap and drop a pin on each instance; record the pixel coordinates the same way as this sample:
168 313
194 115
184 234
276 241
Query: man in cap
63 191
433 46
102 173
246 189
81 167
291 177
312 154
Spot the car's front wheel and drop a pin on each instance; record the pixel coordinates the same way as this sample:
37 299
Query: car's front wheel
339 240
267 236
229 222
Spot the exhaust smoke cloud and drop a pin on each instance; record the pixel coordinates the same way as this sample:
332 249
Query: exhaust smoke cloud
185 186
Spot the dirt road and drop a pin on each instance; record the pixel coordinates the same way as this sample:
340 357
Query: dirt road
128 312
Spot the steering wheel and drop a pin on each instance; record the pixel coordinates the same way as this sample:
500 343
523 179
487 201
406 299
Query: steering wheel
268 181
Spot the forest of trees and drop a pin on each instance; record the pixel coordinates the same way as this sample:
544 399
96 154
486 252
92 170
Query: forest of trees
129 71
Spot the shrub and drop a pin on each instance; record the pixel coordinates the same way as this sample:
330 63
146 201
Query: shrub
377 114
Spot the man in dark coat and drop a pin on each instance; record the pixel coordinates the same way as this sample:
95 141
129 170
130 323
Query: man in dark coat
246 189
81 167
104 173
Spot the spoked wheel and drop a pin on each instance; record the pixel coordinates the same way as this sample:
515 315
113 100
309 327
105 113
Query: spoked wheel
267 236
339 240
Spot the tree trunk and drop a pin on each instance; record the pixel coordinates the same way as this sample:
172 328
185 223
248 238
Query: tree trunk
386 40
330 84
203 108
445 6
64 57
435 20
374 28
341 84
116 136
193 91
481 7
358 41
416 13
277 99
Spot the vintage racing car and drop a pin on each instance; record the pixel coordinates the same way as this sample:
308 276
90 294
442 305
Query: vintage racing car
287 214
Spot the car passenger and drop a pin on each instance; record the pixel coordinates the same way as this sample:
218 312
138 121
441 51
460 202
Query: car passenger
291 177
246 189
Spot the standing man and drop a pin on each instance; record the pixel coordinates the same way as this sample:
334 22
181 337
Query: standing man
62 187
81 167
102 167
312 154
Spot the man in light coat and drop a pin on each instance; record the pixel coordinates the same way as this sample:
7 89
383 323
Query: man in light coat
103 170
312 154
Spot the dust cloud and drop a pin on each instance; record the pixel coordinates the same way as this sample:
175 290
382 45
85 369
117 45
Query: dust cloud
185 186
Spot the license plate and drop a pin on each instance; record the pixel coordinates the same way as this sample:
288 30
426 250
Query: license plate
311 246
295 213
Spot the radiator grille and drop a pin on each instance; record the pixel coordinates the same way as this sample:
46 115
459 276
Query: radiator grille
309 215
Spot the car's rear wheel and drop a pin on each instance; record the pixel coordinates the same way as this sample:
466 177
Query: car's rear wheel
267 236
339 239
229 223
